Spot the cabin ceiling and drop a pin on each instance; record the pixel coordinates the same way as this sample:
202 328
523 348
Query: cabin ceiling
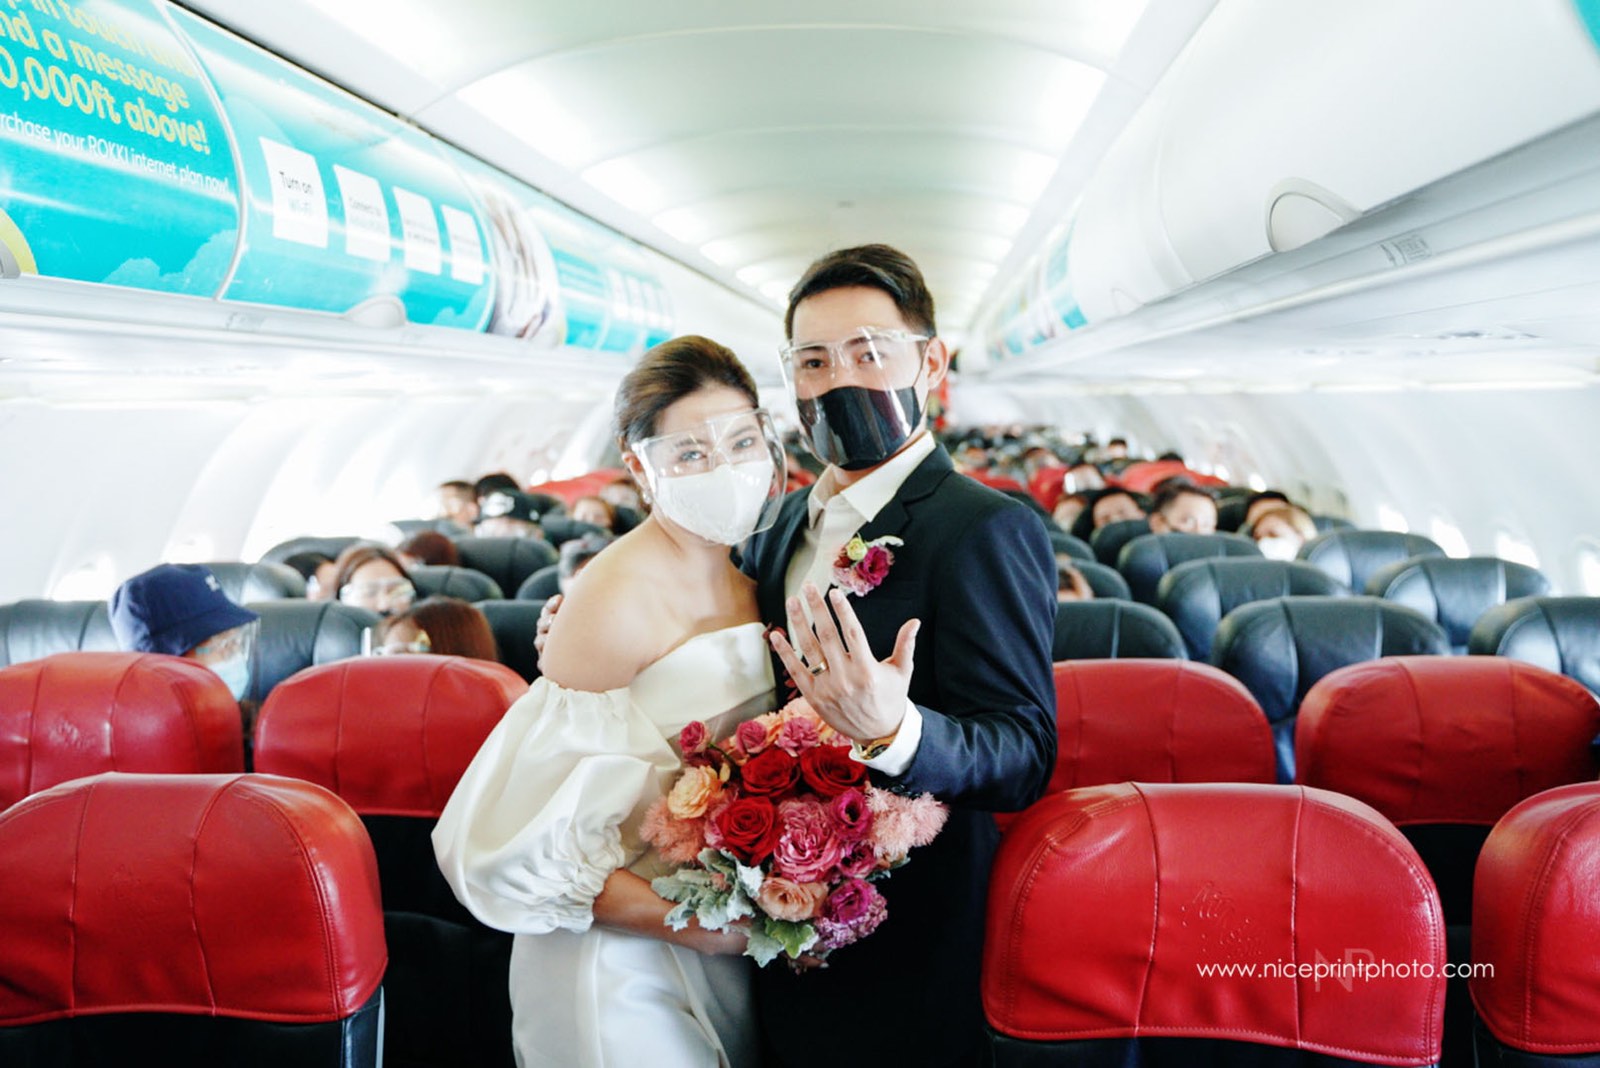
746 139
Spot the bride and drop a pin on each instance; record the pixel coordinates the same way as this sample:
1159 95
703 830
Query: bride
541 836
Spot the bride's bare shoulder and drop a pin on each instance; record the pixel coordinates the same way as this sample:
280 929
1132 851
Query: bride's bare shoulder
612 621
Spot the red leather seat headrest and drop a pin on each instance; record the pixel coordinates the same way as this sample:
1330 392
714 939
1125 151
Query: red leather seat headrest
1156 721
1445 739
216 895
1118 911
76 714
1536 919
390 735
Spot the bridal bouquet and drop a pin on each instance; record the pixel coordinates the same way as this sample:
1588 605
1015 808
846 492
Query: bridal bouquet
777 824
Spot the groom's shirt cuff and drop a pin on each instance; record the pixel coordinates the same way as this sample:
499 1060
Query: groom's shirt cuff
897 758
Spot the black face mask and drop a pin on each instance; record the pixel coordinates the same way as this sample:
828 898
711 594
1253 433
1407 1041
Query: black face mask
855 428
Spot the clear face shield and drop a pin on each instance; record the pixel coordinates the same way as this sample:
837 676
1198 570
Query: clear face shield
857 396
721 480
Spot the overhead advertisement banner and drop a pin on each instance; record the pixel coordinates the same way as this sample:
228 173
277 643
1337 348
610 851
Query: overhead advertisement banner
114 163
347 207
609 298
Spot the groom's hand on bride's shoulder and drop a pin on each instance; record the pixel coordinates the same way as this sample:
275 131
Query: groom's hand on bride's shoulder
861 697
547 616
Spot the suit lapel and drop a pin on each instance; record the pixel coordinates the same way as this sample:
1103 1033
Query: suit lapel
772 564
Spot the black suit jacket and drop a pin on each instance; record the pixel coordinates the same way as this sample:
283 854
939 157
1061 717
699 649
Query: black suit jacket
977 570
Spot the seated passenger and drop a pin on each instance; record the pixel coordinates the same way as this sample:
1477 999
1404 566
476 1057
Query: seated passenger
1110 506
492 483
1182 507
1259 503
1083 477
1116 449
575 556
1279 532
622 493
373 578
443 626
428 548
1071 585
457 502
596 510
180 610
319 570
1068 508
508 514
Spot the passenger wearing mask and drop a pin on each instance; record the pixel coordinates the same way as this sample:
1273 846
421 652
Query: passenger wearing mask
621 492
180 610
575 556
443 626
1184 508
596 511
457 502
1110 506
373 578
1258 504
1279 532
320 572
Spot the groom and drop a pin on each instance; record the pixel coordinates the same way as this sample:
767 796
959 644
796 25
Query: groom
938 668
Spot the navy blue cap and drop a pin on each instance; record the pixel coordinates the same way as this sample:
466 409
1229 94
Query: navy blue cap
172 608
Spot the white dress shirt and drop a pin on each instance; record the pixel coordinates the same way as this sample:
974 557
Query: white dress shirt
834 517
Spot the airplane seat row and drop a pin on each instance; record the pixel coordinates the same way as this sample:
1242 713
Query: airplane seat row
1107 542
1560 634
295 635
1444 747
34 628
1350 556
1104 581
1198 594
1279 648
443 580
1456 592
1138 925
541 585
261 581
1144 559
1536 920
82 713
391 737
194 920
1077 548
515 624
1109 629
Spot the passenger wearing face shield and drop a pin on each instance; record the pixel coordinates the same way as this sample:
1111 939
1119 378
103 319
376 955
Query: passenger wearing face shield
941 673
180 610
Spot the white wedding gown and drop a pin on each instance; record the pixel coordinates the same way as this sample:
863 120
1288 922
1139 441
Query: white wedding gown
549 808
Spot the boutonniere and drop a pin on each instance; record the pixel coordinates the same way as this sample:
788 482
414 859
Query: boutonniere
862 566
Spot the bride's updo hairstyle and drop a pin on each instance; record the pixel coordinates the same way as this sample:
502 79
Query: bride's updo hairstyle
668 373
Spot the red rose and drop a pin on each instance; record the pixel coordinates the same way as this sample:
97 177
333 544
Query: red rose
748 828
829 770
770 773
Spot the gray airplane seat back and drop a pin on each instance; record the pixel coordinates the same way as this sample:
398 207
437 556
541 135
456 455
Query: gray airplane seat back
1076 548
1456 593
328 545
261 581
561 528
1196 595
515 623
1144 559
1351 556
295 635
442 580
1112 629
541 585
1108 541
1106 582
509 561
1279 649
33 629
1560 634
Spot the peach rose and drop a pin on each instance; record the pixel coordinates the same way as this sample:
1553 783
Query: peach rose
694 792
783 899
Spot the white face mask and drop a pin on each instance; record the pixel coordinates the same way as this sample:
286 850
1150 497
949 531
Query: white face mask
721 505
1279 548
235 674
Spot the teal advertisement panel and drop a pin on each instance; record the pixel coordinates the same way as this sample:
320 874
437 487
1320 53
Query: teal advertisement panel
346 206
114 164
609 298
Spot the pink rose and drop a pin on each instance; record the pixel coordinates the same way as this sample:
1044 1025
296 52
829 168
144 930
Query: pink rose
851 816
693 738
874 567
808 847
783 899
858 859
853 911
751 736
795 735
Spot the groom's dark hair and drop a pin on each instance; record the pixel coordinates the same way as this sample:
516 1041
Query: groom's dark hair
668 373
878 267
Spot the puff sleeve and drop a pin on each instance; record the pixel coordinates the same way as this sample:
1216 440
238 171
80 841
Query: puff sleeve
546 810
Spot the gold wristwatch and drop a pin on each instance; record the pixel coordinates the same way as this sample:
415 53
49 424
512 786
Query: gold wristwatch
875 747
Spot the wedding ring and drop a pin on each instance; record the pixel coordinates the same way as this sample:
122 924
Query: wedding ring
819 668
